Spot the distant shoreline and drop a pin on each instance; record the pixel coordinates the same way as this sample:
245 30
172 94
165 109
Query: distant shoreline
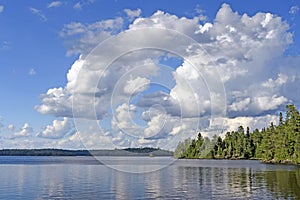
129 152
147 151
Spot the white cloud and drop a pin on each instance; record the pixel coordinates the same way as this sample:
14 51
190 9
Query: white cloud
201 13
38 13
79 5
56 102
240 105
136 85
159 125
58 129
238 54
25 131
54 4
132 14
269 103
123 120
11 127
294 10
32 72
1 8
82 38
90 140
232 124
272 84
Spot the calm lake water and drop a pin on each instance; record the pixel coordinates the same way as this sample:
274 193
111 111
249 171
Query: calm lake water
87 178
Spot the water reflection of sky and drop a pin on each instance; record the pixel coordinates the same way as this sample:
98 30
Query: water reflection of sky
184 179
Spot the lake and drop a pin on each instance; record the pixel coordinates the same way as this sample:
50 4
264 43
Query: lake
144 178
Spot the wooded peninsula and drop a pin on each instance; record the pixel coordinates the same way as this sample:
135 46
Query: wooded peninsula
273 144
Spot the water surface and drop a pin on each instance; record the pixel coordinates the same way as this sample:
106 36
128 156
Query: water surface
88 178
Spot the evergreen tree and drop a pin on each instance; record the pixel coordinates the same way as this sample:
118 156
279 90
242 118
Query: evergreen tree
182 147
280 144
228 145
256 137
218 147
249 148
206 150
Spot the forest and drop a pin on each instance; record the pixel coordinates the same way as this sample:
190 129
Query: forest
145 151
273 144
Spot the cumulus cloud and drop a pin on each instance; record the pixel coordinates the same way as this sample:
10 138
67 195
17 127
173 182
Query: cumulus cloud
123 118
136 85
132 14
58 129
231 124
57 102
25 131
235 61
81 38
54 4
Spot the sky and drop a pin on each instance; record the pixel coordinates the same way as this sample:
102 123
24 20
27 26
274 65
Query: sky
114 74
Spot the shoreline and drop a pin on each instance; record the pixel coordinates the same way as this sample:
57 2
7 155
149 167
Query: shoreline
271 162
99 152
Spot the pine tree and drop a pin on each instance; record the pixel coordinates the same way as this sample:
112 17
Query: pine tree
256 137
218 147
228 146
248 145
275 143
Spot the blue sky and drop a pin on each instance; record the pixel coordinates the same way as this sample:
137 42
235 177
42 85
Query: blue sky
40 41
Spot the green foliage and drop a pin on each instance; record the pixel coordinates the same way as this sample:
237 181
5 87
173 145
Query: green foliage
207 149
181 150
276 144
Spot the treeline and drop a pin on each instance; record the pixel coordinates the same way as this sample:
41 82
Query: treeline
274 144
149 151
146 151
43 152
